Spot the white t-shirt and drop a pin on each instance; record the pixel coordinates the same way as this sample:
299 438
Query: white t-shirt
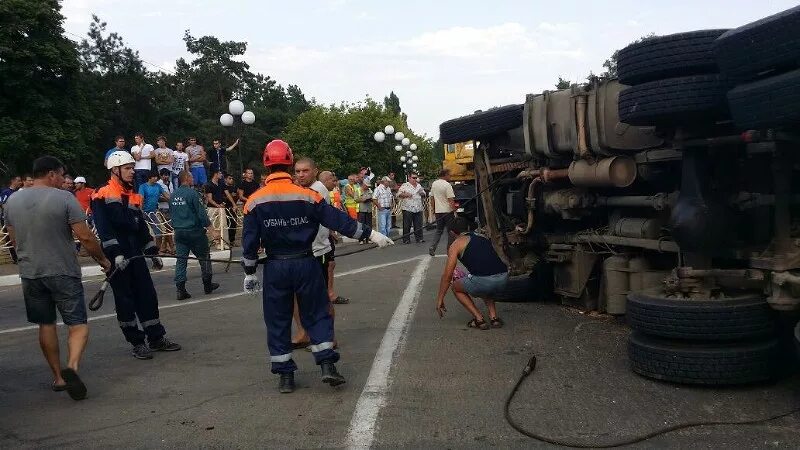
180 161
147 150
163 151
441 190
321 244
168 188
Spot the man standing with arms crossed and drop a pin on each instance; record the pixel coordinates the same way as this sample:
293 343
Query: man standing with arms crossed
41 222
180 162
197 162
444 205
143 154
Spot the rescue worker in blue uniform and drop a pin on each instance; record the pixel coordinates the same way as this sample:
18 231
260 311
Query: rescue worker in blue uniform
117 212
284 218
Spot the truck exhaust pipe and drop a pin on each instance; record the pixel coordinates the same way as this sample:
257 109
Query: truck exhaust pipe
617 171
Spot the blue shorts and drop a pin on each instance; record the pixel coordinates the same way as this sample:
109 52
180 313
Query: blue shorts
44 295
199 175
487 286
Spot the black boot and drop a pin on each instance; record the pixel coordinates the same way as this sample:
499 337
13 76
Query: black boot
182 294
330 375
208 286
286 385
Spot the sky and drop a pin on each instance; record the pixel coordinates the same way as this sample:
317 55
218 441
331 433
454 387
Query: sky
444 59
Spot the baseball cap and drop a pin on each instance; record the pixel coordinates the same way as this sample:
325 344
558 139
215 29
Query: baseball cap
80 180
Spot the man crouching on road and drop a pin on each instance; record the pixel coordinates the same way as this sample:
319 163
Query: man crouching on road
190 221
117 212
488 274
284 219
41 221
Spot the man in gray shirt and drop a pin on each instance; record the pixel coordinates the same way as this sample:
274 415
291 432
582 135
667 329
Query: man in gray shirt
41 221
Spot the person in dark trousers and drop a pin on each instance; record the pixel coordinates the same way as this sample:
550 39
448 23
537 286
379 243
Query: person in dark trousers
42 221
124 234
284 219
444 206
247 185
231 194
412 195
190 221
487 274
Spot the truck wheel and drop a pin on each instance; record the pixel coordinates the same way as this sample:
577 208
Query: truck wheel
708 364
729 319
797 338
772 43
674 101
481 124
670 56
769 103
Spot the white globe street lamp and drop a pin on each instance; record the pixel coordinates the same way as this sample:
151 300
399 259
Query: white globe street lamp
226 120
379 137
415 158
403 159
406 141
408 153
236 107
248 117
413 147
414 165
399 136
398 147
388 129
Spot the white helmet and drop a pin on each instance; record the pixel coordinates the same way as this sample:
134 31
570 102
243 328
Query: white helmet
119 158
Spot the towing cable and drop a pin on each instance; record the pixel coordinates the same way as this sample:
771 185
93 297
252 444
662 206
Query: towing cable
564 442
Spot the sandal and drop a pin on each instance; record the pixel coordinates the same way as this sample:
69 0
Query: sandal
496 322
59 387
340 300
480 324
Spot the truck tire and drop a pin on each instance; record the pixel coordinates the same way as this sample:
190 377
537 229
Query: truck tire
738 318
481 124
675 55
674 101
769 103
769 44
797 338
708 364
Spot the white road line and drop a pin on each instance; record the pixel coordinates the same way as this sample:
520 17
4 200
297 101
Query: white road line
361 431
219 297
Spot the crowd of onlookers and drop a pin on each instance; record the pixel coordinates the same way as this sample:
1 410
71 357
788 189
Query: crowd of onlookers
361 194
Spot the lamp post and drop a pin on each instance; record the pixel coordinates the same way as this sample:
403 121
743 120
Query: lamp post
409 160
229 119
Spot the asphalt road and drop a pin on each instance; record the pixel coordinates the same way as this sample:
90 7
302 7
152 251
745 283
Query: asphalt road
414 380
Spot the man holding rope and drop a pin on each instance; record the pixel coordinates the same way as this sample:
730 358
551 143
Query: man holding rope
190 221
117 212
284 219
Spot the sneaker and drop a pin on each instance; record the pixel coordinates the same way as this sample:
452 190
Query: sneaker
164 345
330 375
286 383
140 351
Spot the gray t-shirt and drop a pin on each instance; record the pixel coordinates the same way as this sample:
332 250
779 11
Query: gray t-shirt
42 219
321 244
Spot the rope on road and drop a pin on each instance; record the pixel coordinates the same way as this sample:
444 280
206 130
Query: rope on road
566 442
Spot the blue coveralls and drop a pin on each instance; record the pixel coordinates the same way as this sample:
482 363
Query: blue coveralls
120 223
284 219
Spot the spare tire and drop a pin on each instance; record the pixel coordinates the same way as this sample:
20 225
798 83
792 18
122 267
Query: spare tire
769 103
769 44
674 101
481 124
707 364
670 56
707 320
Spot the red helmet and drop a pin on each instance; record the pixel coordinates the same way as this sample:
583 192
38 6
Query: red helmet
278 152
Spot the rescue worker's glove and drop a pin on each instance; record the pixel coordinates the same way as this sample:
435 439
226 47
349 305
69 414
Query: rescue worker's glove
380 239
158 264
251 284
120 263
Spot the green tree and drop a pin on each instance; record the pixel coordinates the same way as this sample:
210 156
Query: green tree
392 103
43 108
562 83
340 138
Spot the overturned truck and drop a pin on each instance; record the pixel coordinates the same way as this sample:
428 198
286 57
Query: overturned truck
666 195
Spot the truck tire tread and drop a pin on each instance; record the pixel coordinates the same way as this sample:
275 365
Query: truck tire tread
481 124
674 101
769 103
